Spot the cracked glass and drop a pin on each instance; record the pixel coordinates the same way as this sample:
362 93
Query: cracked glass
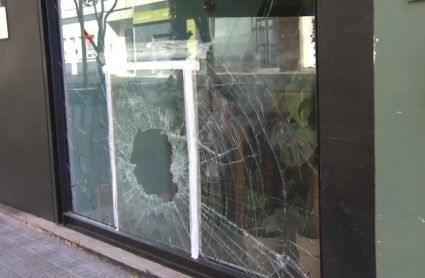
192 124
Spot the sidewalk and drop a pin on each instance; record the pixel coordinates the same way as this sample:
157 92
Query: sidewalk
30 244
25 252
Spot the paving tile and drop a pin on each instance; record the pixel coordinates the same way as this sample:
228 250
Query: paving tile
32 245
92 274
71 253
10 223
6 272
10 234
66 265
95 264
102 269
8 259
25 269
47 254
25 253
21 228
52 244
30 233
22 239
82 260
5 243
80 270
60 272
39 275
41 266
3 228
69 275
19 251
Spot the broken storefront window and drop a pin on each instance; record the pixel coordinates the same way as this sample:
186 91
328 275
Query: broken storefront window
254 115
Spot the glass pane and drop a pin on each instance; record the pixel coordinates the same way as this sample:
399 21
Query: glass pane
151 157
255 118
87 111
243 38
4 32
259 180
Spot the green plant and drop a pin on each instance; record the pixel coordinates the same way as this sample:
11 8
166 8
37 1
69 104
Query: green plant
265 225
295 137
294 134
308 216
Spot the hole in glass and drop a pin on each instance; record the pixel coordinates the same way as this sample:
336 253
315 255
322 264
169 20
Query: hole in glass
152 154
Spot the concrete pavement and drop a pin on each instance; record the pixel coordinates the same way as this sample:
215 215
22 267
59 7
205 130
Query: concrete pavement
25 252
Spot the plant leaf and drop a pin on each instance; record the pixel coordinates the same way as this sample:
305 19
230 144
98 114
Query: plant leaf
276 221
272 223
304 110
253 200
288 214
300 147
293 101
281 133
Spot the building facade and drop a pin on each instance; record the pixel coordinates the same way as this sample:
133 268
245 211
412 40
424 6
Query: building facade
220 138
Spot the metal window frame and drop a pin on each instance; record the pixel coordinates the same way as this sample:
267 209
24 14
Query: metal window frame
346 147
345 78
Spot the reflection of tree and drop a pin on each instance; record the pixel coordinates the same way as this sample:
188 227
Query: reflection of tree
180 12
101 15
91 153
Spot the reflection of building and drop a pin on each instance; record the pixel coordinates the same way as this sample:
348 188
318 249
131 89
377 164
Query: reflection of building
141 32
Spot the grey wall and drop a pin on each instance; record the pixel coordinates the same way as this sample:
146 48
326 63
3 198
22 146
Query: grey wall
26 181
400 138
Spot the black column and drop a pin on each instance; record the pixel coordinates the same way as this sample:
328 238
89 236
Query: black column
346 137
25 147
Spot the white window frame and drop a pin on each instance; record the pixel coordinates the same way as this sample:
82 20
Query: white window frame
189 68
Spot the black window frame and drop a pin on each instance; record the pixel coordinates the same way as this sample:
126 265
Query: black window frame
346 146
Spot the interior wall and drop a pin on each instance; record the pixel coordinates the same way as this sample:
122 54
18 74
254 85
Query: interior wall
25 169
400 137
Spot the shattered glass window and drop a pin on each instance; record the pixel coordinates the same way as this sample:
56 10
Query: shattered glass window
192 124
